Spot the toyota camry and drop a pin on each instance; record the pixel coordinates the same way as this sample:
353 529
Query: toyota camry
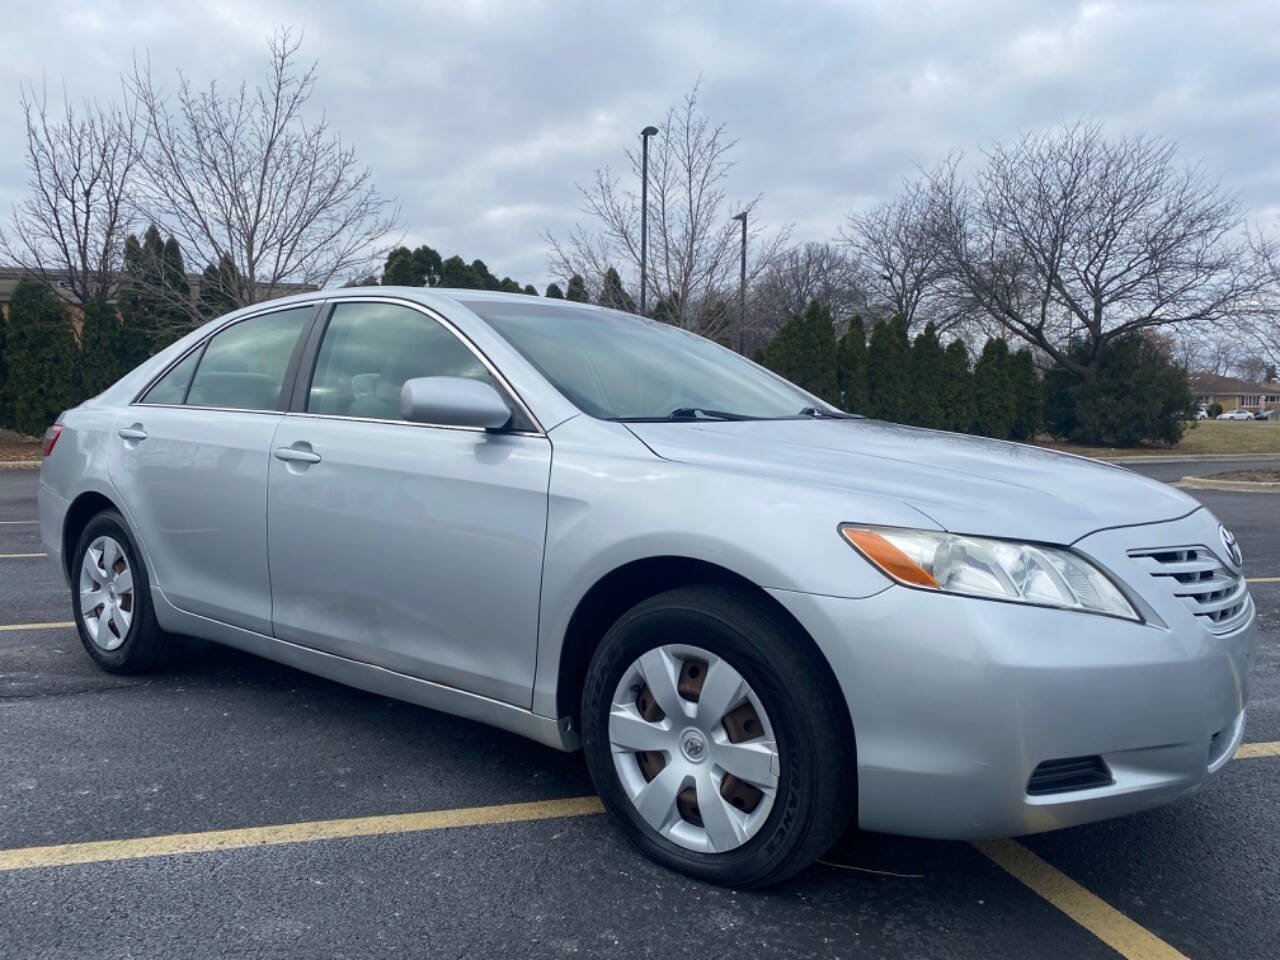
758 616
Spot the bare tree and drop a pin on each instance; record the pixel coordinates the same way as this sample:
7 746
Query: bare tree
81 164
246 182
693 261
1259 326
799 275
1067 236
1203 349
901 256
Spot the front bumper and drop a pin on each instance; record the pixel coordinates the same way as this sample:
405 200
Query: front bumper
956 701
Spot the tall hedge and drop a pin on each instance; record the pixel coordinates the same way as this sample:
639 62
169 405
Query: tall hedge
152 291
803 351
993 392
107 350
928 373
41 356
889 371
6 408
958 404
851 367
1027 396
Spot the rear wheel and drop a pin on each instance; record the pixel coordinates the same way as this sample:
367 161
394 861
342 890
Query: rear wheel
714 738
111 597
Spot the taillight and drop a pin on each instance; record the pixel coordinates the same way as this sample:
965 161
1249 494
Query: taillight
50 438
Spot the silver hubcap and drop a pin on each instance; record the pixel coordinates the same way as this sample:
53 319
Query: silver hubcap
693 748
106 593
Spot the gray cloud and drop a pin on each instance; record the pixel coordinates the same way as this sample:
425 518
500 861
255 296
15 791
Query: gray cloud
480 116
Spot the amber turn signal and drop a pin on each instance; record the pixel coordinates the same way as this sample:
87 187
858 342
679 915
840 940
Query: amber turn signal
888 558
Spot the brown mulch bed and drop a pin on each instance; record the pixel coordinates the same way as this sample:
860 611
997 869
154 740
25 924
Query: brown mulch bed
11 450
1268 475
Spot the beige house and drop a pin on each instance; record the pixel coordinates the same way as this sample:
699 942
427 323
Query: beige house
1231 393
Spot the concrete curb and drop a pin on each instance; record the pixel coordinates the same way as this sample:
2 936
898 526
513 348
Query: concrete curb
1236 486
19 464
1189 458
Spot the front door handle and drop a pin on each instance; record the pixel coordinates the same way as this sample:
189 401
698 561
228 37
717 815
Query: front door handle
297 455
134 432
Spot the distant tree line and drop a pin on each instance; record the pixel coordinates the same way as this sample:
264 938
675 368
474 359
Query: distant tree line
1136 395
424 267
889 376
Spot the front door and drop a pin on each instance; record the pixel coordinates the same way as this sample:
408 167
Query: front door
413 547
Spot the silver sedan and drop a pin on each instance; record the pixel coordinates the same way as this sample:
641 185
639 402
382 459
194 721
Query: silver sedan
758 615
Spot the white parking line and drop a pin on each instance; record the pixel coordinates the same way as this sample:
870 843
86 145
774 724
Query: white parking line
17 523
13 627
20 556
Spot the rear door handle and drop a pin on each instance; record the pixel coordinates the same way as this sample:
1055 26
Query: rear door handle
134 432
297 455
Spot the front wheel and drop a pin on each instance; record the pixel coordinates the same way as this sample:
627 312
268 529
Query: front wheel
715 739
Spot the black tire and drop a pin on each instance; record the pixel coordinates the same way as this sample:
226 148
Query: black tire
817 784
145 645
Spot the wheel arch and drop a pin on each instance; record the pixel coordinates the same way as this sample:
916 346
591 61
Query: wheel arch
82 509
622 588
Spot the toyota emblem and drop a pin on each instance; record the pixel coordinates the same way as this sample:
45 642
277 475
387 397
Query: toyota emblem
1233 548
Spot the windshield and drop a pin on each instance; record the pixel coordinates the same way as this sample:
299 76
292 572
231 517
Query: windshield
619 366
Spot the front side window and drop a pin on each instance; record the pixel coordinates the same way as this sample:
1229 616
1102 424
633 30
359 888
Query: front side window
370 349
244 366
623 367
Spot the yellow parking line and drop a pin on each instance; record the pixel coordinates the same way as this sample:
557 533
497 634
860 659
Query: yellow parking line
1248 751
60 855
1127 938
1263 579
20 556
9 627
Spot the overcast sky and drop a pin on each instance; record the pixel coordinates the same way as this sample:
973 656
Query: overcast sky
481 116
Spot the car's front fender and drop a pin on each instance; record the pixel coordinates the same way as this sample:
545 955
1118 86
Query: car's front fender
613 501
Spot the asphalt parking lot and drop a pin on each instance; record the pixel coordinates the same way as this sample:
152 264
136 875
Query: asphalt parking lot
227 742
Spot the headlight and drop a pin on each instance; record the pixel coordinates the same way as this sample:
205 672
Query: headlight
994 569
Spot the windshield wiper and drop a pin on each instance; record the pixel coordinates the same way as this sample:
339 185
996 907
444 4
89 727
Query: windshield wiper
828 414
688 413
702 413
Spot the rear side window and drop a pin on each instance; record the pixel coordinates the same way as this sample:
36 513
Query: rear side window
370 349
244 366
172 387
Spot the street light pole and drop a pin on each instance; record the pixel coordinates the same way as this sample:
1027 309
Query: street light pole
742 282
645 134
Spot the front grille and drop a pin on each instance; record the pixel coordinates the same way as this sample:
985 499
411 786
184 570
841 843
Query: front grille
1069 773
1211 591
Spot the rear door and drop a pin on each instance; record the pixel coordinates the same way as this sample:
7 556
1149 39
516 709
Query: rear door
414 547
190 462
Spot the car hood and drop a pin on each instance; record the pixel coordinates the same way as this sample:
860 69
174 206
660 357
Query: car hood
965 484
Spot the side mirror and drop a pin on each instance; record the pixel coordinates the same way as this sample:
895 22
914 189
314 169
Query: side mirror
453 402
